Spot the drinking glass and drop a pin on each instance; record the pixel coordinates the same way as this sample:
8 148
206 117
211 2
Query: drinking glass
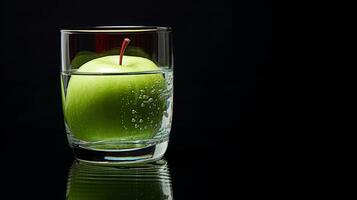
117 92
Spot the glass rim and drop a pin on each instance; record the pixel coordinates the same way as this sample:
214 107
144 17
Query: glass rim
116 29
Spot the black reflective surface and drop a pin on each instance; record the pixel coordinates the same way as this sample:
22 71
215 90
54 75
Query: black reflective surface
173 178
224 100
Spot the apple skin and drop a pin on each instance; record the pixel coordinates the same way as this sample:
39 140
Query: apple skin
109 107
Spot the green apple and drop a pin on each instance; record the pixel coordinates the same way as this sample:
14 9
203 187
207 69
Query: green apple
111 107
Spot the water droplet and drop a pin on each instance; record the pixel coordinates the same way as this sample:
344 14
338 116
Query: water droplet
151 100
133 112
141 121
136 125
145 96
133 120
152 91
142 105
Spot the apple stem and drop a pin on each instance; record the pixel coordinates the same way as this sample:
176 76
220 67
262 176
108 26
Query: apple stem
122 50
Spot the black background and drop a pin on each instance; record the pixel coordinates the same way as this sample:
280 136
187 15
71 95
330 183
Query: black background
223 53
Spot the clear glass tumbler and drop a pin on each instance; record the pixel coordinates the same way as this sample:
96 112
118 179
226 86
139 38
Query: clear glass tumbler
117 92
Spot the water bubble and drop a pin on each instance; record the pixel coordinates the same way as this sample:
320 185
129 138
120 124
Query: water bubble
145 96
136 125
142 91
125 127
145 127
152 91
151 121
133 120
141 121
151 100
142 105
154 104
133 112
141 128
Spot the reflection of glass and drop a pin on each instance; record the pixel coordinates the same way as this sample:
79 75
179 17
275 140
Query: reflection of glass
150 181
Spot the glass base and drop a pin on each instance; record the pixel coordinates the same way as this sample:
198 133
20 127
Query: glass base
135 155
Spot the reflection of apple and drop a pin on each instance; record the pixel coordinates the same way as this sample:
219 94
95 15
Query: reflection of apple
82 57
136 51
63 96
129 51
150 181
107 107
